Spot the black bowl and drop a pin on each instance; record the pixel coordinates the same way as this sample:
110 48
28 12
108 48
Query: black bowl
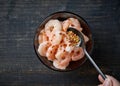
63 15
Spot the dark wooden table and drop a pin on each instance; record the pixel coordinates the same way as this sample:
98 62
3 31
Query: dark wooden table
19 65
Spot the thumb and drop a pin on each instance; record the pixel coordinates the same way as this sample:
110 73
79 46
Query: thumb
107 82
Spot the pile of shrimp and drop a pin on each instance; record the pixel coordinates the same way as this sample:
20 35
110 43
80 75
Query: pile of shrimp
54 43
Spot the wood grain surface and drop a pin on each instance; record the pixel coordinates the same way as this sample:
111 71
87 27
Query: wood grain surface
19 65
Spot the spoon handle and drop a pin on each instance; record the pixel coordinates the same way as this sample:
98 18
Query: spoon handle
94 64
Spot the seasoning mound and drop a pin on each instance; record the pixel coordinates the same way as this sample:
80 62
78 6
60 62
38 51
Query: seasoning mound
73 38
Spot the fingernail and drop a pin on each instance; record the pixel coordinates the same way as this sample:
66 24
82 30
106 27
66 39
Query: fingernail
107 82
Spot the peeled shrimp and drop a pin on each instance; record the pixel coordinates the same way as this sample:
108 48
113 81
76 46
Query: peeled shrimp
62 64
56 38
62 58
61 53
52 26
42 49
71 22
66 25
50 54
77 53
75 23
42 37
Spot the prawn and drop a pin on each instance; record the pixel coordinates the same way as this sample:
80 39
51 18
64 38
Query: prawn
71 22
75 24
52 26
61 53
42 49
42 37
77 53
56 37
66 25
50 54
62 64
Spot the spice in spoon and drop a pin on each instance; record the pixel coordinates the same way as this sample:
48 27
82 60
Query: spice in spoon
73 38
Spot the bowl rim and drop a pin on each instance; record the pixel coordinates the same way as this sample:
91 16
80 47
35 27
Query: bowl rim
38 56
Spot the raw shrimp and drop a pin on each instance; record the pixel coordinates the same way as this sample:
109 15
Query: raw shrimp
77 53
52 26
50 54
42 49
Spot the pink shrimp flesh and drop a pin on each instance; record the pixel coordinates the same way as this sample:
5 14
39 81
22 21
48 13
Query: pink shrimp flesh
50 54
78 53
62 64
75 23
42 49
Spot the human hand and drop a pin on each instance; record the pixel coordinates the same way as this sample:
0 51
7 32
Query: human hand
109 81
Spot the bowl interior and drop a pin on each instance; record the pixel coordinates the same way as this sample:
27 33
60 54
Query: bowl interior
63 16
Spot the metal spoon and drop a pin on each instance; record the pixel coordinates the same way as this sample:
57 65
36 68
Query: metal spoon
82 44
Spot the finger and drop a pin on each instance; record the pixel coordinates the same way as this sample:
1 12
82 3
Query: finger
100 85
100 78
113 80
107 82
111 77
